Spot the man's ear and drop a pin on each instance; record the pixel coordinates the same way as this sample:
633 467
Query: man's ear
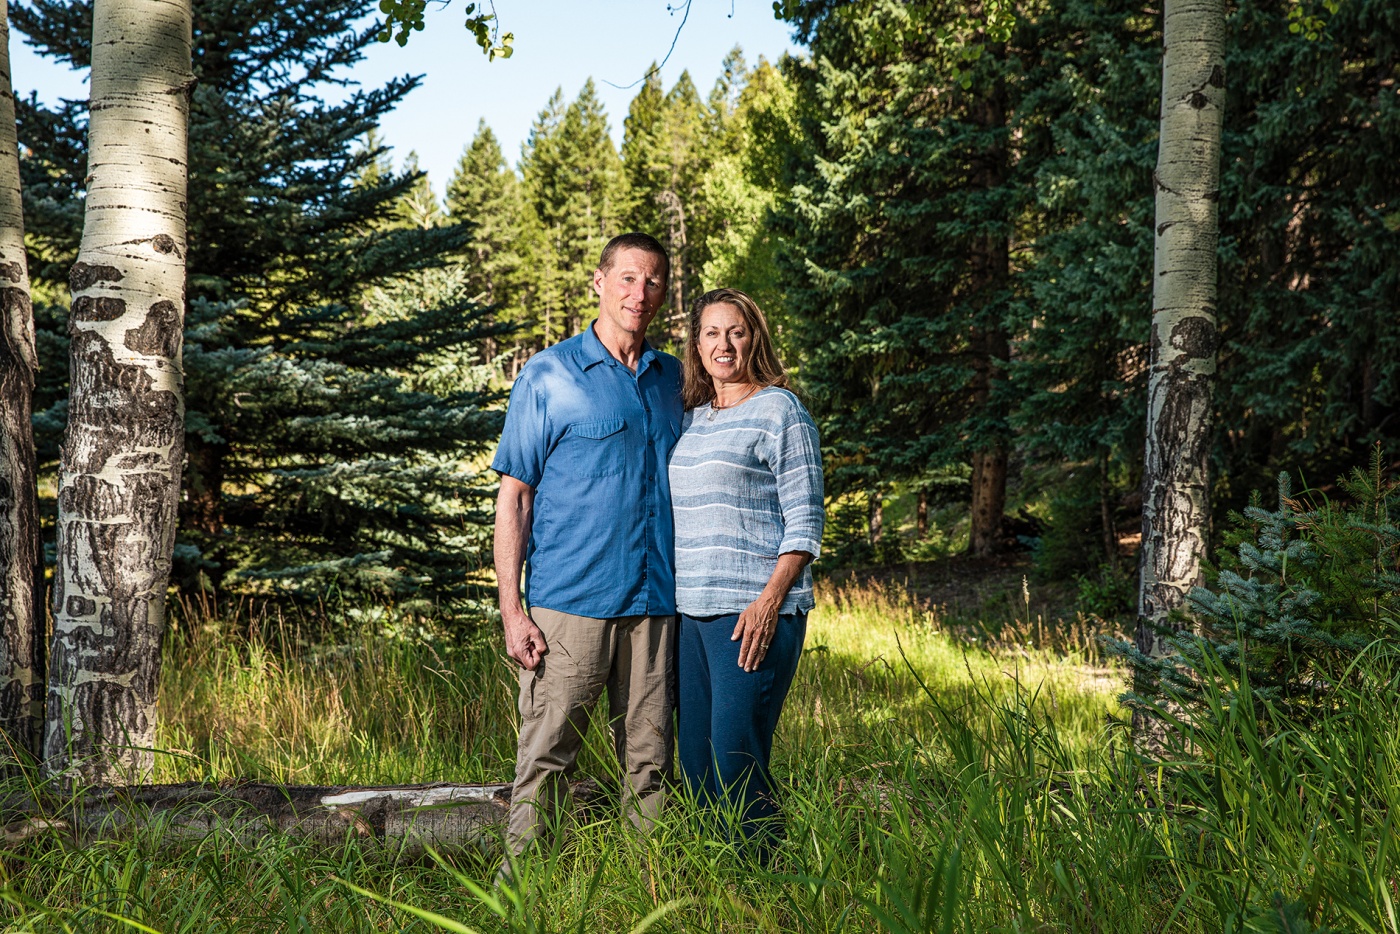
598 275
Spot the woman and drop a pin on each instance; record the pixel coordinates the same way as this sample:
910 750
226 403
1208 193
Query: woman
746 494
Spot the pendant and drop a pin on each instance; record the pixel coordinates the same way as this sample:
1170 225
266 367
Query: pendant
711 416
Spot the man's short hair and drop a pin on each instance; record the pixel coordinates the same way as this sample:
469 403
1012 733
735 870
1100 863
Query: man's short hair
633 241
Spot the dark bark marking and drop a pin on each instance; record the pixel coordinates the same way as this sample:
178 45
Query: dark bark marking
81 606
1195 336
1199 100
12 271
159 334
164 243
84 276
1217 77
95 308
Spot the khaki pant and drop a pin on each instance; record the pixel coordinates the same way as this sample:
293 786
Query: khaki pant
632 656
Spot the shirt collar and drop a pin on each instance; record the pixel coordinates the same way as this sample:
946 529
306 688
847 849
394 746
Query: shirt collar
592 352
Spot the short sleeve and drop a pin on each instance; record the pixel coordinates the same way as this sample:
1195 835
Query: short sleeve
525 437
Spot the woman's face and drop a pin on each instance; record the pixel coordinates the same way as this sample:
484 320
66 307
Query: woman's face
724 342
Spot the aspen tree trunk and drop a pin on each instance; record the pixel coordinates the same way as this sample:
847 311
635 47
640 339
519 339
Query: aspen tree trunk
124 445
21 552
1176 471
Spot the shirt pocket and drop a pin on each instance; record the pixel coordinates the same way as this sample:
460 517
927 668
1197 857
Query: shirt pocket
596 448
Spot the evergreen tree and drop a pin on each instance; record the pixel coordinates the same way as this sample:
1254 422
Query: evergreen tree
418 206
311 458
755 138
500 255
573 179
899 252
1310 245
669 142
1089 123
643 148
1308 251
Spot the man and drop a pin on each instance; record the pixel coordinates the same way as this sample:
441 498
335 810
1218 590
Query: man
585 502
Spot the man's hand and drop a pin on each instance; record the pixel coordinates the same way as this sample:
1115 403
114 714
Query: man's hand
514 509
524 640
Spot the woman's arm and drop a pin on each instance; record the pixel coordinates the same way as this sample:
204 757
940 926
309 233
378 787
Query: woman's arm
760 620
796 461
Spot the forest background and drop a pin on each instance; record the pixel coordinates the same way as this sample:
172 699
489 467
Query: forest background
957 258
951 226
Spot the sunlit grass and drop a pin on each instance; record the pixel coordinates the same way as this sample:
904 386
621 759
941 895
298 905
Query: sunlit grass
371 709
930 782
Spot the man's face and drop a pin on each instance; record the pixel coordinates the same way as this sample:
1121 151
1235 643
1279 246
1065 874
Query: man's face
631 291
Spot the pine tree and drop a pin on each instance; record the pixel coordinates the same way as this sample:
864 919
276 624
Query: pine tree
898 253
307 444
1089 121
643 151
1309 245
755 138
573 179
668 145
500 255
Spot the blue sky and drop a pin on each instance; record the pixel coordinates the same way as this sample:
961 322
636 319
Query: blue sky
558 43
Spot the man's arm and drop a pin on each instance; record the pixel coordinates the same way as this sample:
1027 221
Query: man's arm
514 508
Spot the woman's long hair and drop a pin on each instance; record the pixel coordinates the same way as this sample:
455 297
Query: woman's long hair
762 368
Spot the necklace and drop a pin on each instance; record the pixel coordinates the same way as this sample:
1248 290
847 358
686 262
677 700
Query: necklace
716 407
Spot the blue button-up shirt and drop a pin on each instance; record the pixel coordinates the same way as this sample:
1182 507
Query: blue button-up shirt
593 438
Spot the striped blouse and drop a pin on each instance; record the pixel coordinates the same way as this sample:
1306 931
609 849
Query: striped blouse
746 486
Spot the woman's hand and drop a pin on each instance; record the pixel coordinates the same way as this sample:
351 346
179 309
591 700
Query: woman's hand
756 627
759 621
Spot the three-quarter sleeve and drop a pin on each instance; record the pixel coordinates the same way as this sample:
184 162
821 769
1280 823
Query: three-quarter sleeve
525 436
795 457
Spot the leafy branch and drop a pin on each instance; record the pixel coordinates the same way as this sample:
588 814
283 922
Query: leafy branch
406 16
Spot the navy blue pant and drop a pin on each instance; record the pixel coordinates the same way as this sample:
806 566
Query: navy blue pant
727 716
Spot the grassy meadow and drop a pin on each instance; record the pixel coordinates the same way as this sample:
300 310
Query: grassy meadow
934 781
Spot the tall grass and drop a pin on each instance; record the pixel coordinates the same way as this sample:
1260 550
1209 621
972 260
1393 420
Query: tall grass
929 785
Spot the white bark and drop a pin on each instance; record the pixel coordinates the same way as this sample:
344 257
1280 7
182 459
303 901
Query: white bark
1176 476
21 553
124 445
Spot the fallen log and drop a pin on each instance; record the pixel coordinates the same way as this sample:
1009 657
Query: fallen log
406 818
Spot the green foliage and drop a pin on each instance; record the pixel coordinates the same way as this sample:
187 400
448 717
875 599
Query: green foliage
318 457
1071 543
1303 593
506 241
407 15
573 180
896 243
1108 593
846 536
